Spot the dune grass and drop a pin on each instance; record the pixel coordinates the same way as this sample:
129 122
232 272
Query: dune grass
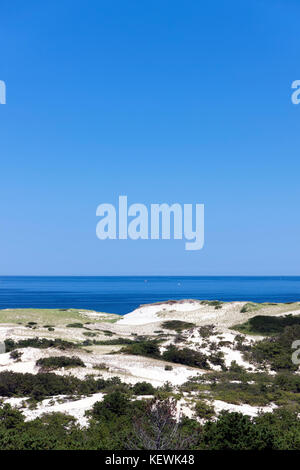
55 317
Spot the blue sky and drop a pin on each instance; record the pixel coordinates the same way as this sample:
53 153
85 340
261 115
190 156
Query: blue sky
164 101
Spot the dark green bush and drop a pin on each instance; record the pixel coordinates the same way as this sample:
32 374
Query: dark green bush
204 410
116 341
117 404
56 362
177 325
276 351
213 303
143 388
16 355
206 331
42 343
41 385
143 348
186 356
266 325
232 431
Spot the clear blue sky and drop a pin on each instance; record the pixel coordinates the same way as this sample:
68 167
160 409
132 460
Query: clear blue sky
164 101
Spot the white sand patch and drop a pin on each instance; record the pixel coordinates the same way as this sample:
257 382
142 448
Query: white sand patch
7 331
226 315
244 409
15 402
149 313
184 408
97 315
75 408
283 314
230 354
132 369
28 367
140 316
5 359
158 375
8 364
27 363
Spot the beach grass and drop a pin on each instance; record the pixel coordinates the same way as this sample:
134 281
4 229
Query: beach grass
55 317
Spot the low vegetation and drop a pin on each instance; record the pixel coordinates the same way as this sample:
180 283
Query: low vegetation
40 343
213 303
122 422
118 423
45 384
52 317
251 307
276 351
267 325
206 331
75 325
146 348
57 362
177 325
186 356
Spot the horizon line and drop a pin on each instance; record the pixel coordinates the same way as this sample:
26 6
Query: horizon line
149 275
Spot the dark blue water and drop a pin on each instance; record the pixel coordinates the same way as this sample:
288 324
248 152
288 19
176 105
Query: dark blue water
124 294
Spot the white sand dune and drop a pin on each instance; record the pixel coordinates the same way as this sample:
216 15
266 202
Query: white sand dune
75 408
149 313
145 320
244 409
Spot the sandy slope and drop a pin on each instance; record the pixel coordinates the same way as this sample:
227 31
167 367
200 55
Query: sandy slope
146 320
201 314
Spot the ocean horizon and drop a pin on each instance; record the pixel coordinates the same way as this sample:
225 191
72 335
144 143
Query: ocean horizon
122 294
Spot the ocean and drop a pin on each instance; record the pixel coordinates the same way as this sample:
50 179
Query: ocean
120 294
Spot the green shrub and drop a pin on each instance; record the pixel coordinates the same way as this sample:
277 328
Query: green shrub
108 333
203 410
276 351
217 359
16 355
206 331
232 431
56 362
177 325
101 366
186 356
40 343
143 348
115 404
250 307
45 384
143 388
112 342
267 325
213 303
